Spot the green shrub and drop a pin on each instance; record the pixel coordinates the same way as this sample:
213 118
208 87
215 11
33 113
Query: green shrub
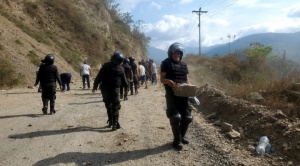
34 58
18 42
1 47
8 76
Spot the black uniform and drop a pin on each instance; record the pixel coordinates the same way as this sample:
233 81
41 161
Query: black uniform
125 88
47 76
135 78
177 107
110 78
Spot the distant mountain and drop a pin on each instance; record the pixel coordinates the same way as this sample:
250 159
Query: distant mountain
157 55
280 42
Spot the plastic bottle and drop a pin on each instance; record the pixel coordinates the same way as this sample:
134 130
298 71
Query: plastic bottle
263 143
194 100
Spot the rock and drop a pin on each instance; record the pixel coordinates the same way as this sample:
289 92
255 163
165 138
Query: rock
226 127
251 148
218 123
256 96
279 114
233 134
212 116
290 163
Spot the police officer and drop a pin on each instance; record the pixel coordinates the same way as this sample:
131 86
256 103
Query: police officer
47 76
129 75
110 78
173 71
134 82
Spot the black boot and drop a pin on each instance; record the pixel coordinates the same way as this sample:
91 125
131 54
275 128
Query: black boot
184 128
116 124
110 118
177 136
52 104
131 88
45 106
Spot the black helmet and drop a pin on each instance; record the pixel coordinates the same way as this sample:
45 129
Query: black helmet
131 59
126 60
175 47
49 59
117 57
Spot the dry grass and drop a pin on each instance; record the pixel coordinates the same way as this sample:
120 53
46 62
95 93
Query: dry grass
238 79
8 76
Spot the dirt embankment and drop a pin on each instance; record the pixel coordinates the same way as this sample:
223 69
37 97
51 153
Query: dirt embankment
77 133
254 121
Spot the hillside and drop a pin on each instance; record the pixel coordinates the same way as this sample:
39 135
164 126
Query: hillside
280 42
73 30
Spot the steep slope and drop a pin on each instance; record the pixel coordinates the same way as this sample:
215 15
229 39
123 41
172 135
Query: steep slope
73 30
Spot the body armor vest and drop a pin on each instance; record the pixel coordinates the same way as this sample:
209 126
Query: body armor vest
127 70
112 75
177 71
48 74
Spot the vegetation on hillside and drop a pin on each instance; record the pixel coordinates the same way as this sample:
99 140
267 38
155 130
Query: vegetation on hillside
8 78
78 30
259 72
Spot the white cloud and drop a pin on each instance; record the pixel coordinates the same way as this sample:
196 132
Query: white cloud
294 12
167 30
185 1
128 5
155 5
241 17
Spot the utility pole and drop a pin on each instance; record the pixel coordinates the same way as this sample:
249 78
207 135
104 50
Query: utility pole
199 14
229 42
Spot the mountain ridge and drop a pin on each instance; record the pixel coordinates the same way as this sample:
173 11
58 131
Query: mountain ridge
282 43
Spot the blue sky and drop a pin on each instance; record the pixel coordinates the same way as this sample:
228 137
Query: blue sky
168 21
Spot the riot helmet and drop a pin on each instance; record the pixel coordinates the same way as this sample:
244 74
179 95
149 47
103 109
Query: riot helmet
49 59
131 59
175 47
117 57
126 60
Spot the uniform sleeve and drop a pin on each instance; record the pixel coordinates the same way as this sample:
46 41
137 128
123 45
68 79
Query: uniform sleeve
98 78
58 77
124 80
163 67
37 80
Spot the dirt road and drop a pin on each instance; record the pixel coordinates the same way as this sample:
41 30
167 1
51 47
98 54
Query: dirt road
77 133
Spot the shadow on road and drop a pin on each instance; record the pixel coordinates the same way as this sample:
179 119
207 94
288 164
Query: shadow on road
102 158
20 93
24 115
56 132
85 103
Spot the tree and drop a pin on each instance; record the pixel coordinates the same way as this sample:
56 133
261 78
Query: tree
258 53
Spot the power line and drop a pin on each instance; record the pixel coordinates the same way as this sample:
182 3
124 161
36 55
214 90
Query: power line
221 9
190 30
199 12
